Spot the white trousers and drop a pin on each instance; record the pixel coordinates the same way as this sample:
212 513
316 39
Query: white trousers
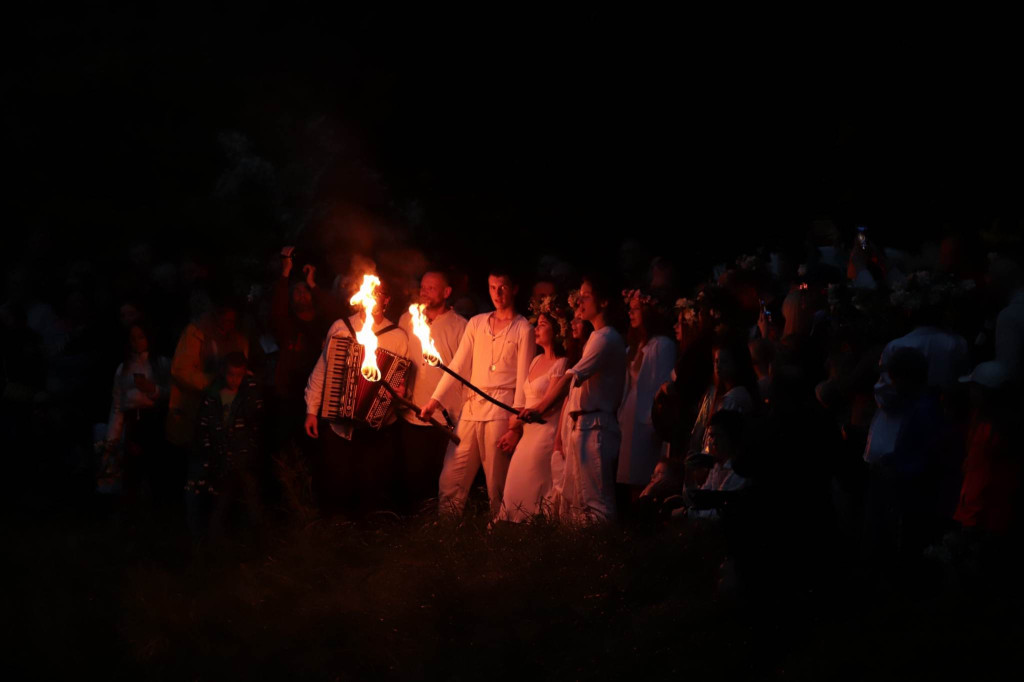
479 447
591 457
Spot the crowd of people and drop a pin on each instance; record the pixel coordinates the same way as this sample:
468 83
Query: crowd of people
846 401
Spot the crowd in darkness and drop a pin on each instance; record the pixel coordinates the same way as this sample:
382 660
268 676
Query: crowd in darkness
840 404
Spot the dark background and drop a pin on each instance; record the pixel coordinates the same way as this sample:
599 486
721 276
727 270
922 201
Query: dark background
511 133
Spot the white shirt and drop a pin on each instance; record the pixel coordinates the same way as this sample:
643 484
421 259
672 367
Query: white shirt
1010 336
720 478
946 354
127 397
947 361
394 341
446 332
600 375
509 352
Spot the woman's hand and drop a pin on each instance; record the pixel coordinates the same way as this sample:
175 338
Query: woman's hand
509 441
528 415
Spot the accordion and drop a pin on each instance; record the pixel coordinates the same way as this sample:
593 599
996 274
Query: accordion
350 398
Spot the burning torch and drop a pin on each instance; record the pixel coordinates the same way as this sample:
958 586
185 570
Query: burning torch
433 358
366 297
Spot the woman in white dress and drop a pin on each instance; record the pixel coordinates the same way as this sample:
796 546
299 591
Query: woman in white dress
651 359
529 473
580 331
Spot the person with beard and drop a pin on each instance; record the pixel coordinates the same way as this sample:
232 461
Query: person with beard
495 353
423 450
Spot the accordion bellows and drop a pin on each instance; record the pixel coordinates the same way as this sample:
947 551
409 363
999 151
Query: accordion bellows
348 397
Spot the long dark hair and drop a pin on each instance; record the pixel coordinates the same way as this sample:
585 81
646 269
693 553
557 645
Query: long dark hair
557 346
653 322
745 374
574 348
604 290
152 354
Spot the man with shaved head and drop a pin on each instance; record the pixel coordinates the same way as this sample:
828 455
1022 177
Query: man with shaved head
422 450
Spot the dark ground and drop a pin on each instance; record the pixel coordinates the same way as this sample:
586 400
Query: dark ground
390 598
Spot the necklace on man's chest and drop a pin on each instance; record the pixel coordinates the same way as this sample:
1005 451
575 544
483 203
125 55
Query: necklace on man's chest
501 349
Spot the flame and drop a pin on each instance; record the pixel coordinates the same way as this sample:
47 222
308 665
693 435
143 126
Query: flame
365 336
422 332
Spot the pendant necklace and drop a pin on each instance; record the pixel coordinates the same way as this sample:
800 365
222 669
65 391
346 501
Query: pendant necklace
494 366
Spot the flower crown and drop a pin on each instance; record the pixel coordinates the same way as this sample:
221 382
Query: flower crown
645 299
549 305
923 288
688 308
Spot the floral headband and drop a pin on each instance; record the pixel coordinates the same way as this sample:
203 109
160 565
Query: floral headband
688 309
922 288
549 306
645 299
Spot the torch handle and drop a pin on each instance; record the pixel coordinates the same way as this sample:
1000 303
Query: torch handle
500 404
415 408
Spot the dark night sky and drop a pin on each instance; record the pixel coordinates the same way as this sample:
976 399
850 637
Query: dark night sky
532 126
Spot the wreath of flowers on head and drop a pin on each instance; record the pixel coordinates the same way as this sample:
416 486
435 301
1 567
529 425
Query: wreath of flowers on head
574 299
688 308
645 299
923 288
549 305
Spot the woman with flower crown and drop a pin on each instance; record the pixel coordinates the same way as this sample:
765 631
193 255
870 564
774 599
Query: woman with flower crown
529 473
651 358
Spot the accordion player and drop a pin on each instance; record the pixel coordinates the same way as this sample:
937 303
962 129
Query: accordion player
347 397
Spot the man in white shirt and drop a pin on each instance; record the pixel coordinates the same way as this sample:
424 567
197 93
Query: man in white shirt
495 353
947 358
594 386
422 449
1008 280
356 473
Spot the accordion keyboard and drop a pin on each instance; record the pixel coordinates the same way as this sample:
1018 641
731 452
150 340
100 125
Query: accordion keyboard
347 395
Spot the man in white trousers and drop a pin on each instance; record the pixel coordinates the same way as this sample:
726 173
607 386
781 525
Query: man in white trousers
495 354
591 434
423 449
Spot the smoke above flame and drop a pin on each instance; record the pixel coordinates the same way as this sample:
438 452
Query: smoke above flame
365 336
422 331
